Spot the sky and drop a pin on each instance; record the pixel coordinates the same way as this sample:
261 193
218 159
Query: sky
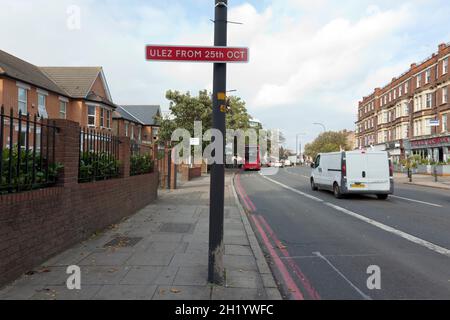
310 61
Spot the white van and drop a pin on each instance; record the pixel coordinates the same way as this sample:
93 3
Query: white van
354 172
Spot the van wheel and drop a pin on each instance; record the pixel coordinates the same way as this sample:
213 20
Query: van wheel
313 185
382 196
337 191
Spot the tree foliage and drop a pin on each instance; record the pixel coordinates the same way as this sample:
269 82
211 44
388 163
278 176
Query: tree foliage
328 142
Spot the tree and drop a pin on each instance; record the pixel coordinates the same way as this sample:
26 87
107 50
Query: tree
328 142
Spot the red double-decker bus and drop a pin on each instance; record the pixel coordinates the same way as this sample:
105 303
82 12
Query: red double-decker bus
252 158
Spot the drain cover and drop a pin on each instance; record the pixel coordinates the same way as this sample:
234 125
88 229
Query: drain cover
176 227
123 242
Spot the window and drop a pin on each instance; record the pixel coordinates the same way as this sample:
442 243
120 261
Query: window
317 162
428 76
139 134
427 127
445 95
406 87
108 119
445 66
126 129
444 123
42 110
62 110
22 98
395 94
390 96
102 117
429 100
132 132
91 116
385 99
400 91
419 80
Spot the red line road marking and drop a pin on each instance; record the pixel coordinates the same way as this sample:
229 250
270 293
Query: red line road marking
294 290
244 195
298 272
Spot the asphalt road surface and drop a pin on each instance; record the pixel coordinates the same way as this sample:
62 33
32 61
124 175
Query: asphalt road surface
358 247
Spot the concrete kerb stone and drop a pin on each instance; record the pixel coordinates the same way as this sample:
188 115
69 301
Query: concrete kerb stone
261 262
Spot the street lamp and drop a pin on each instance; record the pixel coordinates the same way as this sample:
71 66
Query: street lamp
297 144
322 125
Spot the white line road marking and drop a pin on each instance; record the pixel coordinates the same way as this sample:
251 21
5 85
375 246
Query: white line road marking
365 296
422 202
404 235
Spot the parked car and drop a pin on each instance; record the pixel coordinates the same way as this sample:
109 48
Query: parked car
354 172
288 163
278 164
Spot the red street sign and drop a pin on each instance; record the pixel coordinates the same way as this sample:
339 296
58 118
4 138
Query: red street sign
197 54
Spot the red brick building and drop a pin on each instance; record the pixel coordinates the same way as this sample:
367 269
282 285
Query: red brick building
79 94
410 115
138 122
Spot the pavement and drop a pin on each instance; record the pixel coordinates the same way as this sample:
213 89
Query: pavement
424 181
159 253
321 247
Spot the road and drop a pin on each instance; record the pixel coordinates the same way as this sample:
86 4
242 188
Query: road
321 247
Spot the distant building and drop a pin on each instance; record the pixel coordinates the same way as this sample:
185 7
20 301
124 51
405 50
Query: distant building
410 115
139 122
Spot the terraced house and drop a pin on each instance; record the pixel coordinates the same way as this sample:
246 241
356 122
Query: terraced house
410 115
80 94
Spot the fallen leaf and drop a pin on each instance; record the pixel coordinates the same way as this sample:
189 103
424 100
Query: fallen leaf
175 290
45 270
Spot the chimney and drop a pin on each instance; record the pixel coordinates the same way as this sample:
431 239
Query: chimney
442 47
413 65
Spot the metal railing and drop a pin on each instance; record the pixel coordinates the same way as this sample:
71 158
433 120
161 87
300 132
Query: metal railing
27 152
99 156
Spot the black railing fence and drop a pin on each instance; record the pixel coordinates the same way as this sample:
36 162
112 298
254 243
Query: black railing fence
27 146
99 156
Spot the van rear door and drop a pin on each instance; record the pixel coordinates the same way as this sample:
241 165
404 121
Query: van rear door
378 171
356 164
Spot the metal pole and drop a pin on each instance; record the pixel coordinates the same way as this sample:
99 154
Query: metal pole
216 216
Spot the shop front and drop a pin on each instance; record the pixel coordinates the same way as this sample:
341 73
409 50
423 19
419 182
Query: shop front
435 149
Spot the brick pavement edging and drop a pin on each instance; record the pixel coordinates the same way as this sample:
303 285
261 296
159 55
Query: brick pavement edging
263 267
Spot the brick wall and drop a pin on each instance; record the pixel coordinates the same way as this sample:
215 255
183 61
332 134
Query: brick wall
38 224
187 174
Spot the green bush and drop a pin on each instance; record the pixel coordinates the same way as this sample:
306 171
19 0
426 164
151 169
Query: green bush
23 180
140 164
97 166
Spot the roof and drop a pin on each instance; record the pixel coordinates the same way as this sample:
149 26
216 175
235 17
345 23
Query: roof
23 71
121 113
145 114
77 81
